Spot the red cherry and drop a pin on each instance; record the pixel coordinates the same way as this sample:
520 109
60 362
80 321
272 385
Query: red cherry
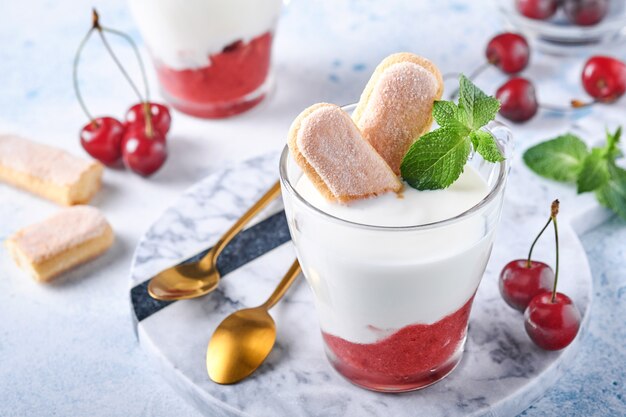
102 139
161 118
585 12
509 52
551 318
519 283
518 101
551 324
537 9
142 154
604 78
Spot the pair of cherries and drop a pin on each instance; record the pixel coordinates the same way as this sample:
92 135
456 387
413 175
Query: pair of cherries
140 141
603 78
579 12
551 318
510 52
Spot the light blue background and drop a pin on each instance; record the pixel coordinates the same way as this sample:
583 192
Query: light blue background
69 348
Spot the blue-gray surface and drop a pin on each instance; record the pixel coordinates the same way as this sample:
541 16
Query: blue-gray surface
69 349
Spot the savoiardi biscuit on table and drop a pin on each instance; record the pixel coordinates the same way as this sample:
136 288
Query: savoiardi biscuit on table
48 171
70 237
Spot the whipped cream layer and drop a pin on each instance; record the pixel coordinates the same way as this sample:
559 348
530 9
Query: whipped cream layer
182 34
370 283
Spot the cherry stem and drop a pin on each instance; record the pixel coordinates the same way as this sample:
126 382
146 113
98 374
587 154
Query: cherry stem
557 108
555 211
147 115
530 253
473 75
146 106
142 68
574 105
79 97
579 104
118 63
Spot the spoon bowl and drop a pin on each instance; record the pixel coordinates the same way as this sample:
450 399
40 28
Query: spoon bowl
243 340
240 344
184 281
195 279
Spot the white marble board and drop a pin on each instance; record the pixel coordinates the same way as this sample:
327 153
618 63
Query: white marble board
501 373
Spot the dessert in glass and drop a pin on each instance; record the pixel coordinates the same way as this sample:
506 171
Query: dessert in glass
393 274
212 57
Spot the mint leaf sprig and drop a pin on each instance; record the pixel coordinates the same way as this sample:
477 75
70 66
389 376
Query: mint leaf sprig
567 159
437 159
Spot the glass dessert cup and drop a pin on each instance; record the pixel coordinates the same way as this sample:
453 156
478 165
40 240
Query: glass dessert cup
558 36
212 58
394 302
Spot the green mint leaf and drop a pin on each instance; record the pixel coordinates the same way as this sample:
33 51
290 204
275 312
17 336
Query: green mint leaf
476 108
613 194
485 144
559 159
612 151
446 114
436 160
594 172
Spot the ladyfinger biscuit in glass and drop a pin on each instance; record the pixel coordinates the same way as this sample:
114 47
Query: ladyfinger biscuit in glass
395 108
329 148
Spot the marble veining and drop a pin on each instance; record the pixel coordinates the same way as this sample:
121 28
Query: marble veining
501 374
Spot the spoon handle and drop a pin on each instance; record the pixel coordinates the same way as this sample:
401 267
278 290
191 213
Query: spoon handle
211 257
283 286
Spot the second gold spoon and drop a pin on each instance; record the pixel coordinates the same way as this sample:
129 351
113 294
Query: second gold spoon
243 340
196 279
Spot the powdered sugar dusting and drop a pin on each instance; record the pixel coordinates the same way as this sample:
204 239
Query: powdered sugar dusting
66 229
347 164
42 161
398 109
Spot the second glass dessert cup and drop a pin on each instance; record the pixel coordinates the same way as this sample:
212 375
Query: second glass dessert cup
394 302
212 58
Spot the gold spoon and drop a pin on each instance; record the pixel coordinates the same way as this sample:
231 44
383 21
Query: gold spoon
243 340
196 279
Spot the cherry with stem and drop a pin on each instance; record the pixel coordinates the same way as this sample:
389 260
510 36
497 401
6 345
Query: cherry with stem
102 136
140 142
522 279
604 79
146 106
551 319
519 101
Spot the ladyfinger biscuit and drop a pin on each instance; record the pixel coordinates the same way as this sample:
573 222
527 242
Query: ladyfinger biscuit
72 236
396 105
329 148
47 171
